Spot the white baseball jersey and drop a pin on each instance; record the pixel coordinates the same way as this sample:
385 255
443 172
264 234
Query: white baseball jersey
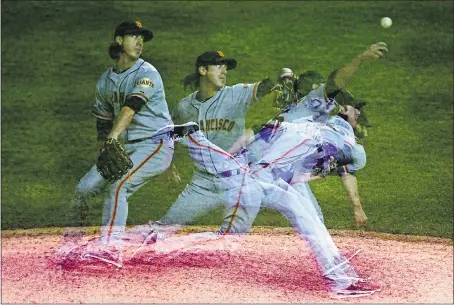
343 127
242 189
141 80
315 104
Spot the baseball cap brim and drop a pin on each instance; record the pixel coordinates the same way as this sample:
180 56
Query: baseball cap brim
230 62
147 34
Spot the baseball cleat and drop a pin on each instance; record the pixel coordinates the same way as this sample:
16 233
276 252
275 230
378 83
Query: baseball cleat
140 234
70 242
107 254
175 132
356 290
164 230
330 271
149 240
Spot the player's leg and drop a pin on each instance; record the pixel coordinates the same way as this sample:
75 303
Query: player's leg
304 189
239 219
89 186
205 191
303 217
242 203
199 197
149 159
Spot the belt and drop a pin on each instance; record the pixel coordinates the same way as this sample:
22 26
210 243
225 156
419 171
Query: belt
229 173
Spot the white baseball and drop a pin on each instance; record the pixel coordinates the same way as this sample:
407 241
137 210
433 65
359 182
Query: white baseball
386 22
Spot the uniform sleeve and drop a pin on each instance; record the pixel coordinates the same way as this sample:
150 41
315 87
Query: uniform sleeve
359 158
245 94
146 84
359 161
102 109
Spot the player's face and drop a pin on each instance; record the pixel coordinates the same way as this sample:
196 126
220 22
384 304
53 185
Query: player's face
217 75
352 114
133 45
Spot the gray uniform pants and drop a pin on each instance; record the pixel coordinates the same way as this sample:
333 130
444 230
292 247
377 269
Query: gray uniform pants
149 159
204 193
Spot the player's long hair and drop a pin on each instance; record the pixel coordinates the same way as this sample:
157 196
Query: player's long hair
193 80
115 50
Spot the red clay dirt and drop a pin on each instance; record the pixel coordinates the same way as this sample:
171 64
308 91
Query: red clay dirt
257 268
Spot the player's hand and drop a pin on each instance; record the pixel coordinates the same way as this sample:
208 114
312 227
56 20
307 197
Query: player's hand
360 216
374 52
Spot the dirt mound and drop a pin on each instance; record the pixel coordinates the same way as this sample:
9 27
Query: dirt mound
258 268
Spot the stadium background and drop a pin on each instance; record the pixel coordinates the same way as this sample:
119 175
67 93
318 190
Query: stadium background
53 52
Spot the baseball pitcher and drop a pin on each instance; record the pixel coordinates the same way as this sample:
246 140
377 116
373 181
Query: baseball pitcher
220 111
242 186
130 106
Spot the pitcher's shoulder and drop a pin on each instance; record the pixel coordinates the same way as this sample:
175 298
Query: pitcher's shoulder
146 66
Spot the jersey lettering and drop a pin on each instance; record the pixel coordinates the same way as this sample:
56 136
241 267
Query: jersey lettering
145 83
216 124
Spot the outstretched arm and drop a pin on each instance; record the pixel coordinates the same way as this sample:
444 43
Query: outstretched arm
351 186
265 87
340 78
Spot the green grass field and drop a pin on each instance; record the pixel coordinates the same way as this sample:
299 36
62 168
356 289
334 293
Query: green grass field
53 52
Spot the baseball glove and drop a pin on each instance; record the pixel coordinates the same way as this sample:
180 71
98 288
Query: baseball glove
285 94
113 162
324 166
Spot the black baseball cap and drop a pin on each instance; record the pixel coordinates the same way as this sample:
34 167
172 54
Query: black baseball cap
133 27
215 58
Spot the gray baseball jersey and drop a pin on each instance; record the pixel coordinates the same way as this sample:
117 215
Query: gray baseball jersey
141 80
222 117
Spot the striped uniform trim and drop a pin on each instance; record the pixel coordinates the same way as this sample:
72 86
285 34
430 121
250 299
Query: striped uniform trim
281 157
237 204
117 193
215 150
139 95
